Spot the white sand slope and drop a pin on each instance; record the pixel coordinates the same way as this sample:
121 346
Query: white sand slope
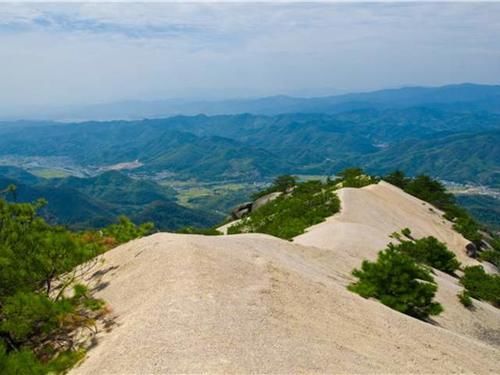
369 216
252 303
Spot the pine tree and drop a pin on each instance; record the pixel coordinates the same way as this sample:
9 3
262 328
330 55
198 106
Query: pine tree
398 282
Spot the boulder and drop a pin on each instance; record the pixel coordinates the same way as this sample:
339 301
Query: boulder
241 210
471 250
246 208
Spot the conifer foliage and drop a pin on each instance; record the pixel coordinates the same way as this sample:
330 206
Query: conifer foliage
290 214
397 281
42 301
429 251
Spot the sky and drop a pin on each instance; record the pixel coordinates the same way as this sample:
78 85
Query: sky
73 54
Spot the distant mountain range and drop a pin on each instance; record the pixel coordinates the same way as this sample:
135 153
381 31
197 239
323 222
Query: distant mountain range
461 97
451 132
456 146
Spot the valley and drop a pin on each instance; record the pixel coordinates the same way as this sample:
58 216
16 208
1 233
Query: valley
209 164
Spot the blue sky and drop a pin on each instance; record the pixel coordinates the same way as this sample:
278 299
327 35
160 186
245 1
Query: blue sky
57 55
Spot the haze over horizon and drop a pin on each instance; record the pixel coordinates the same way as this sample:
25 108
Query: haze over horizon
102 53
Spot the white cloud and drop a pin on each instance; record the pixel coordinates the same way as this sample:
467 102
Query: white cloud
69 54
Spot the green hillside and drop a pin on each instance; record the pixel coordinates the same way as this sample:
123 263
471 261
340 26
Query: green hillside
472 158
483 208
199 155
94 202
255 148
116 187
65 206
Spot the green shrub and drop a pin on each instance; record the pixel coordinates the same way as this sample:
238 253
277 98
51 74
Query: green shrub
492 256
430 251
429 190
22 362
37 271
204 231
356 178
397 178
65 361
465 299
280 183
289 215
32 252
125 230
407 233
38 312
466 226
434 192
398 282
28 314
495 243
285 182
481 285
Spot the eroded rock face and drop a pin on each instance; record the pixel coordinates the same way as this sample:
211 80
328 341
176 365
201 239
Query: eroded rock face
241 211
246 208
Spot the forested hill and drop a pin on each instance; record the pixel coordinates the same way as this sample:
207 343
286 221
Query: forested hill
471 158
459 98
107 168
97 201
454 146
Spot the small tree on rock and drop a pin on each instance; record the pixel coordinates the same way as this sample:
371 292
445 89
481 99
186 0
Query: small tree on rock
398 282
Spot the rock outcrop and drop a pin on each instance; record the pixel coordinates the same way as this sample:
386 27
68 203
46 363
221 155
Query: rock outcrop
471 250
241 211
246 208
